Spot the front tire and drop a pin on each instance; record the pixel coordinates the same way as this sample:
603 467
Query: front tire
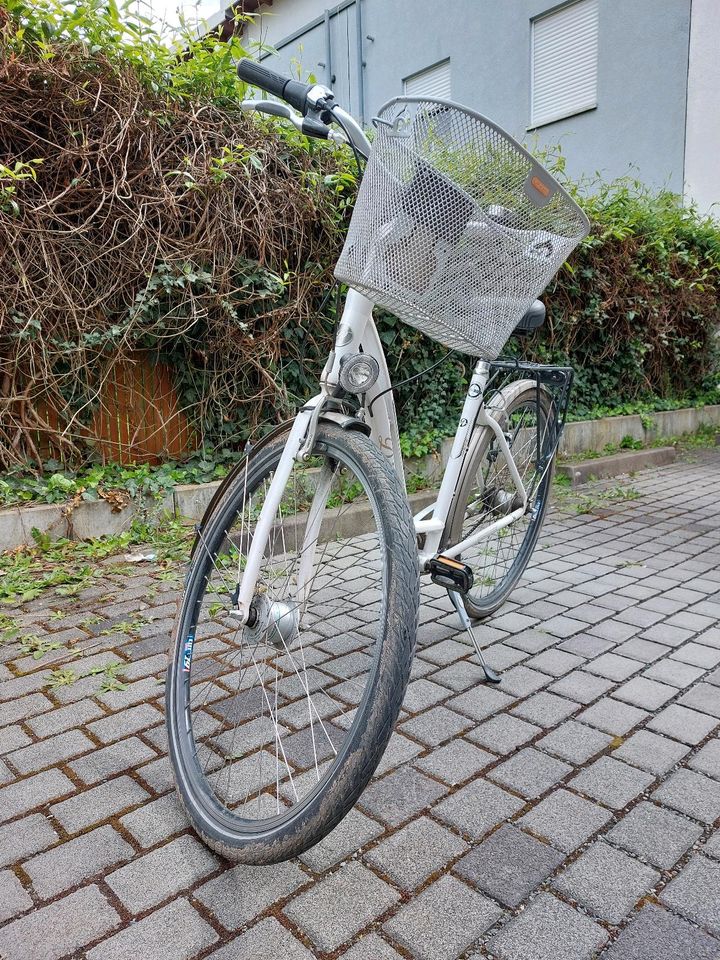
275 730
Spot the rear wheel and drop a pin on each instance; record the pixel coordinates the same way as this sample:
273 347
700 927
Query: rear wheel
275 729
486 493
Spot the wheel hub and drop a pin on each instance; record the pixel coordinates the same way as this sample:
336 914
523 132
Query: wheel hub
505 502
275 622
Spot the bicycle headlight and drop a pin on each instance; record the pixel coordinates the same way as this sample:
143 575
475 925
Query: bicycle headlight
358 373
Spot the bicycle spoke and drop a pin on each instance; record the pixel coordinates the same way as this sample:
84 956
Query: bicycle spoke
269 668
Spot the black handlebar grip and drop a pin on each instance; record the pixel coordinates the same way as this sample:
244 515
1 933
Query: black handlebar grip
291 91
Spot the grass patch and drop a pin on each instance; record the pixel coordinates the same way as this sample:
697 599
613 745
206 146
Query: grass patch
66 567
589 503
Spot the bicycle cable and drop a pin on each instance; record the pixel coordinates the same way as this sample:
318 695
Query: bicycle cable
358 158
408 380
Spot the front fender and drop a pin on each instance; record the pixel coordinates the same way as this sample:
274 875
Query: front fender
232 476
344 421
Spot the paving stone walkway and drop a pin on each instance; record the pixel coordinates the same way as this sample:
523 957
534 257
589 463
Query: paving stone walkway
574 812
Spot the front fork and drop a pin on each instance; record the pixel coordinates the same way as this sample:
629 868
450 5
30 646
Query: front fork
292 451
356 334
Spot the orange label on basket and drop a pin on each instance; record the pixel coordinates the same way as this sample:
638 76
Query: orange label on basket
541 187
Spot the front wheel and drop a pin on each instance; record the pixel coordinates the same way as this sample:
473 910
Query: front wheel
486 493
276 728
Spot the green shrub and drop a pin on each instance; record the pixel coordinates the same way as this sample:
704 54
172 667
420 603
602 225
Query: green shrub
208 239
636 311
143 211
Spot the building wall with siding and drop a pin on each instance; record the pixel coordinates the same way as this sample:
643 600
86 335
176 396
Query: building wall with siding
638 126
702 141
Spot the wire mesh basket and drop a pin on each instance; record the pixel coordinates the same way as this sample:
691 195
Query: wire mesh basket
456 228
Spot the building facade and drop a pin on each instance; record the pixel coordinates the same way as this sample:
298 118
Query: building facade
622 86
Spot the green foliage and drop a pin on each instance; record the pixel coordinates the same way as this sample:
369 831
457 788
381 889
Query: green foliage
646 421
705 436
128 627
62 677
635 310
9 178
429 406
415 482
9 628
110 679
38 646
643 408
598 500
191 232
179 65
56 484
66 566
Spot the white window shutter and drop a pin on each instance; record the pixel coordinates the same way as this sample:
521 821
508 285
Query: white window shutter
564 62
433 82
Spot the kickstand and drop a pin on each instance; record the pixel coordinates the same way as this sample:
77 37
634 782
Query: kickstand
490 674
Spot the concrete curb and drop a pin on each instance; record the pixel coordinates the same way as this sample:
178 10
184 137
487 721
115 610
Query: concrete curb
582 435
585 435
97 519
627 461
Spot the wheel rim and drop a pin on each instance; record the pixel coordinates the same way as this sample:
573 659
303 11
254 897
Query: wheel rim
270 711
493 495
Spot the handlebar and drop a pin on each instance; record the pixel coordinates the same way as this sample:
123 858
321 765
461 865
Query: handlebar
291 91
315 102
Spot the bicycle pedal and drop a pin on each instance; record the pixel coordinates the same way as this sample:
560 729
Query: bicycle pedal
451 574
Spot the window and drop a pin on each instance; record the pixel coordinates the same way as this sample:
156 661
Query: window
433 82
564 56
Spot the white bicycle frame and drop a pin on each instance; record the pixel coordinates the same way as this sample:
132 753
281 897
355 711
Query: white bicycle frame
357 333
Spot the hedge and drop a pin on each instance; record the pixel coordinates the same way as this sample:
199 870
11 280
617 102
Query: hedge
140 209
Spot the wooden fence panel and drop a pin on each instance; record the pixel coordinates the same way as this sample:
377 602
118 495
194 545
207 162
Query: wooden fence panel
138 418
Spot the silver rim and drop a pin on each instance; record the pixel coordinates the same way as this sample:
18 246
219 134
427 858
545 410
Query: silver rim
493 495
270 709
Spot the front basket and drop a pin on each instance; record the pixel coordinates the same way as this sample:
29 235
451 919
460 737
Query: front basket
456 228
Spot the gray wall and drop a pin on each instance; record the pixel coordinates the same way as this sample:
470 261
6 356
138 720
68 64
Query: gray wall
307 54
639 123
642 73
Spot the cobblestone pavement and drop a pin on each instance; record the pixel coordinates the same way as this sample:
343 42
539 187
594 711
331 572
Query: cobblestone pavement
571 813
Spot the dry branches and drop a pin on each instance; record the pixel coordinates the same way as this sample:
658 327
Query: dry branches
137 232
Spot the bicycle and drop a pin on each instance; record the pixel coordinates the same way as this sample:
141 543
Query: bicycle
295 634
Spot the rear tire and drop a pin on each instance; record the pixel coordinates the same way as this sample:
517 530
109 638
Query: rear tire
486 491
333 681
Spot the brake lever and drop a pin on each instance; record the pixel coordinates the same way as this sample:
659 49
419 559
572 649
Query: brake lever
307 125
272 107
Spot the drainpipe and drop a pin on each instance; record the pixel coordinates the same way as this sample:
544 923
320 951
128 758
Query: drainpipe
328 51
360 63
